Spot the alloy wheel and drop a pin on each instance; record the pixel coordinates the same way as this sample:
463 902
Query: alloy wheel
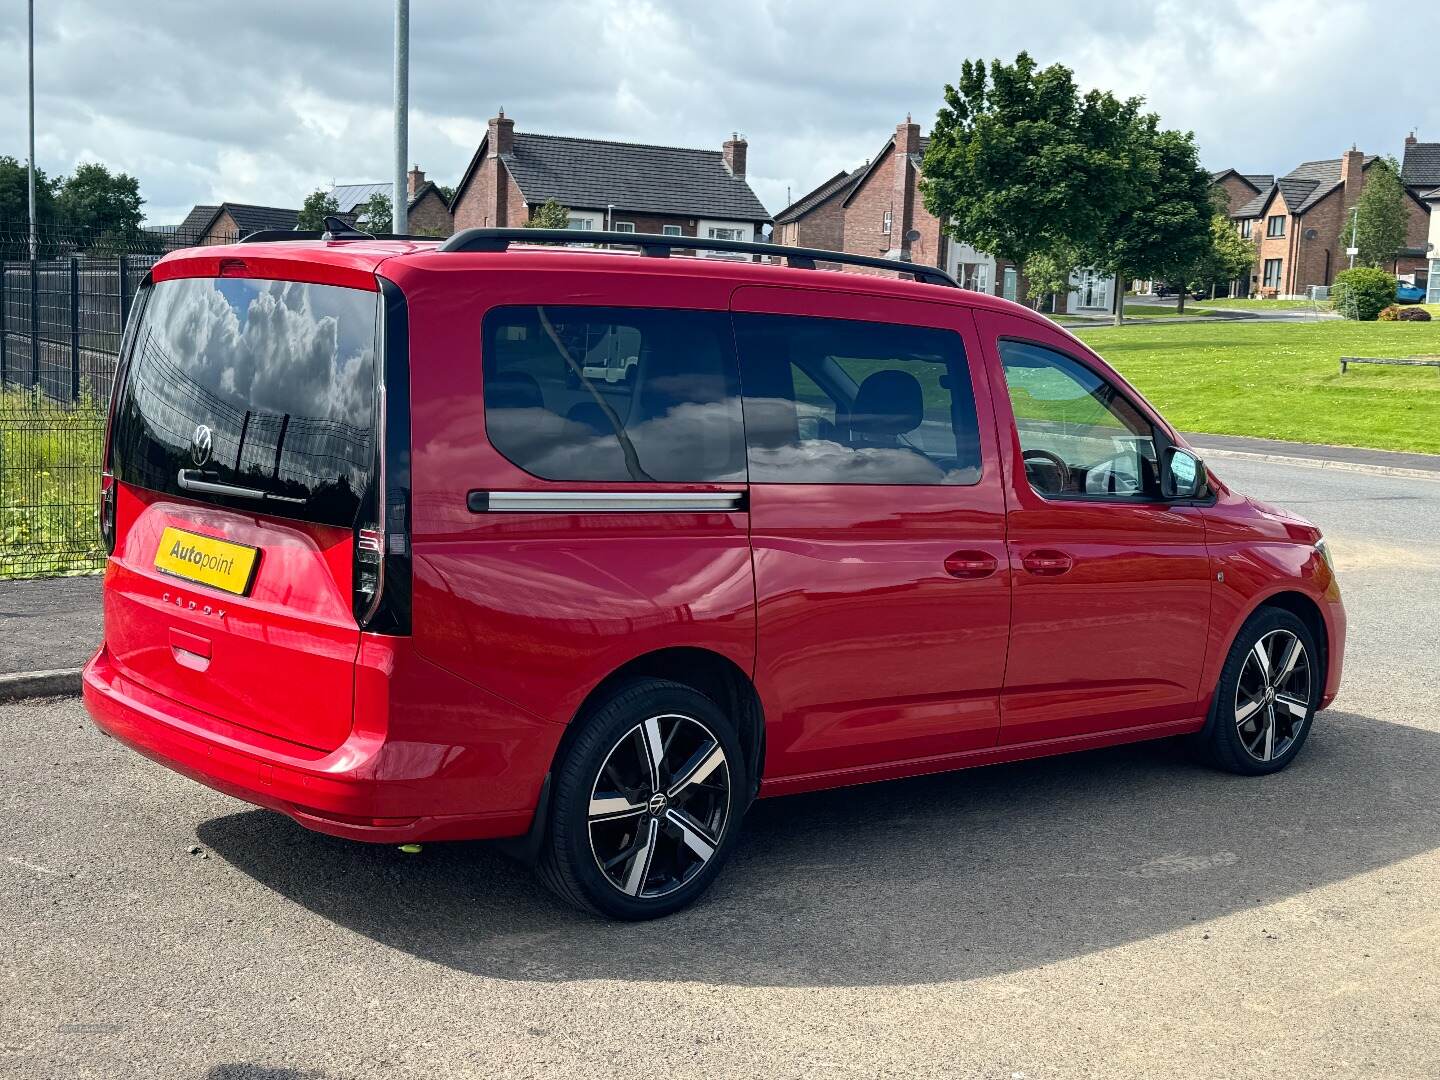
1272 695
659 806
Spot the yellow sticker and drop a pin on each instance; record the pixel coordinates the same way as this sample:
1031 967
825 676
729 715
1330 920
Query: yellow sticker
218 563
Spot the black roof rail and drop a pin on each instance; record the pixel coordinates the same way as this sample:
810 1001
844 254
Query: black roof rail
272 236
652 244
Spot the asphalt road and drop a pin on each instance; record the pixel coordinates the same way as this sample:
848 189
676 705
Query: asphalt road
1120 913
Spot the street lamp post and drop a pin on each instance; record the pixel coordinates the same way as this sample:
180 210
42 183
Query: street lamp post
34 224
400 201
1354 234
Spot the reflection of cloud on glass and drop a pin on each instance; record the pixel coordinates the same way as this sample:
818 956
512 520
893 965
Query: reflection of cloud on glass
691 442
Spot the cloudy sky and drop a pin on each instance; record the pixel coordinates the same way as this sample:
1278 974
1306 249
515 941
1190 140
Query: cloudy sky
265 100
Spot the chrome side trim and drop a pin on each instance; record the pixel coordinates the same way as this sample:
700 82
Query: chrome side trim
583 502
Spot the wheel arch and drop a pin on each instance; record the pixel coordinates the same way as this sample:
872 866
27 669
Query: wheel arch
710 673
1304 608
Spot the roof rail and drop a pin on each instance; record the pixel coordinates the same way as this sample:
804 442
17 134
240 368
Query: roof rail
495 240
273 236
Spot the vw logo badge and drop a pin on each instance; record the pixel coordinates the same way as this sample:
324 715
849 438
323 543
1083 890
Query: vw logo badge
658 803
201 443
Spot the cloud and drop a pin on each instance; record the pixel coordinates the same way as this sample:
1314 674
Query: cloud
267 100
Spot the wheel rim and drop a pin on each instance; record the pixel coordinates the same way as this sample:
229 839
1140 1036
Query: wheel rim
1272 696
659 806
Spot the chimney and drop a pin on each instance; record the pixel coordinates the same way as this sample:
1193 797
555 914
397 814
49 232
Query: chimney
1410 140
501 136
414 180
734 149
902 195
1352 175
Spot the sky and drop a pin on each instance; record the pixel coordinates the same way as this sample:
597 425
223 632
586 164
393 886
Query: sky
263 101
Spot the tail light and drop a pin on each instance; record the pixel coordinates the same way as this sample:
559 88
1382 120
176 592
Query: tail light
107 512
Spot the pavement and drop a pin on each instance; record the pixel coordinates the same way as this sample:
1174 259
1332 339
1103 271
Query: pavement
48 623
1121 913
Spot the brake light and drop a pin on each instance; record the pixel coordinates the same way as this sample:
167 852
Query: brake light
107 512
234 268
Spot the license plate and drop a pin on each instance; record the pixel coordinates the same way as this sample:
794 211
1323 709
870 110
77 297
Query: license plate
217 563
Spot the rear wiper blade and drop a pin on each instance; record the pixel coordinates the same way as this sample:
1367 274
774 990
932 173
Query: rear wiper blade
210 487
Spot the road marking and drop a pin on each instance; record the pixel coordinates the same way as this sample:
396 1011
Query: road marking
31 866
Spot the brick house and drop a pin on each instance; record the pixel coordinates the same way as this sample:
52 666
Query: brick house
878 210
1296 224
232 221
1420 173
427 210
629 187
1240 188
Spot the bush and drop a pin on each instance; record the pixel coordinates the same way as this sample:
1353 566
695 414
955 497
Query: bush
1363 292
1390 314
1413 314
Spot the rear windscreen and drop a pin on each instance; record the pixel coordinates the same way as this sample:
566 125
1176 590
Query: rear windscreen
256 394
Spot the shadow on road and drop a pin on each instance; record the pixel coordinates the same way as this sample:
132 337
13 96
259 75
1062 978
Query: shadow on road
942 878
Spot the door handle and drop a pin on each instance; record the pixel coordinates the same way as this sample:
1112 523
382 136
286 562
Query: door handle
970 564
1047 562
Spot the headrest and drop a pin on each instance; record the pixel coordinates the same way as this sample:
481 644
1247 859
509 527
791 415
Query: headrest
888 403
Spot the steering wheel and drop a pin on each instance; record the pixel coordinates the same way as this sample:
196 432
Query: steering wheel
1062 471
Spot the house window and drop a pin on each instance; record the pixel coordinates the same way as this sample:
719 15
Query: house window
580 223
1272 273
670 230
1246 227
622 226
721 233
1275 225
1433 283
885 223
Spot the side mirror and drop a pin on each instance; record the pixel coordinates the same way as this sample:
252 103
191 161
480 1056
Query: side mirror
1184 476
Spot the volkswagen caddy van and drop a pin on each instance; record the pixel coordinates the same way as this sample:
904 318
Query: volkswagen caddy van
588 549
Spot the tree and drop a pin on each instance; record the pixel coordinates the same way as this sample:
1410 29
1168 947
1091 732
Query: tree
1166 231
1379 228
318 205
549 215
1228 256
376 214
102 207
1048 272
447 192
15 207
1019 162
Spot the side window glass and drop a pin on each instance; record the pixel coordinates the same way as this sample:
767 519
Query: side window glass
614 394
1078 435
836 401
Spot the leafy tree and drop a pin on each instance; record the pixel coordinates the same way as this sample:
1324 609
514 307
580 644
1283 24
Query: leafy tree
1363 292
1380 227
447 192
376 214
1048 272
1229 255
318 205
1020 162
549 215
15 206
100 205
1166 231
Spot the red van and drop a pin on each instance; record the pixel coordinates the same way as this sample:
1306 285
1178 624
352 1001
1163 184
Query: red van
588 549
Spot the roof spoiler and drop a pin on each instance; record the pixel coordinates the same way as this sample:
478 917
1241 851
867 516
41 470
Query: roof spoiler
656 246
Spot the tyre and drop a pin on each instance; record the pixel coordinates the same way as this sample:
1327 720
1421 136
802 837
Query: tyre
1266 697
647 802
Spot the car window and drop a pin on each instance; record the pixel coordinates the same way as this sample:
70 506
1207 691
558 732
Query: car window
1079 436
614 394
837 401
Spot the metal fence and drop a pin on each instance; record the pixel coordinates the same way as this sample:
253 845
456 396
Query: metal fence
63 305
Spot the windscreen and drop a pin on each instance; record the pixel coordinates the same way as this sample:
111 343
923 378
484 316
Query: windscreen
256 394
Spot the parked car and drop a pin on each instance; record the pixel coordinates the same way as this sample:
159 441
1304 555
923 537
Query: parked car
401 544
1164 289
1406 293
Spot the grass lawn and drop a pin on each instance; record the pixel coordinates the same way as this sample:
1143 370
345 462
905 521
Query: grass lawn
1153 311
1251 304
1282 380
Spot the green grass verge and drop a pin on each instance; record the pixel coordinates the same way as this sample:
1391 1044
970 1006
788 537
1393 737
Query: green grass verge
1252 304
49 484
1283 381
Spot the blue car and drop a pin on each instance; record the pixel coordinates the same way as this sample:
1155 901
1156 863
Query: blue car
1409 294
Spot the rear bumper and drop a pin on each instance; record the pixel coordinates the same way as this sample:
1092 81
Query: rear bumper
374 787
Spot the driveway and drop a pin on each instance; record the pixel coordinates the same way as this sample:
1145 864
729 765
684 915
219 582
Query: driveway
1119 913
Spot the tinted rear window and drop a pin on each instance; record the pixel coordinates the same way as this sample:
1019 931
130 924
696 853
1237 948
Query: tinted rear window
264 386
602 394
